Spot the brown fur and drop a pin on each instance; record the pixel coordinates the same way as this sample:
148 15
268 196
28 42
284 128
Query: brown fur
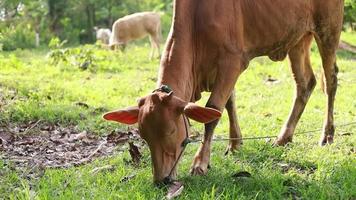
211 43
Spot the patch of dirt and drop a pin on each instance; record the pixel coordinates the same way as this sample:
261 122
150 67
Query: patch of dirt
44 145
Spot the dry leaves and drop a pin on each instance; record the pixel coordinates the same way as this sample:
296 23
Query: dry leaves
54 146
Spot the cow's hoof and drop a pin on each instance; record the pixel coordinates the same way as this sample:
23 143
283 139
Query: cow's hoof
198 170
232 148
326 139
282 141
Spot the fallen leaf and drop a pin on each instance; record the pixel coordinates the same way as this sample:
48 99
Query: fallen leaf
79 136
346 134
82 104
117 138
25 141
242 174
135 153
174 190
271 80
127 178
99 110
267 114
103 168
5 137
284 166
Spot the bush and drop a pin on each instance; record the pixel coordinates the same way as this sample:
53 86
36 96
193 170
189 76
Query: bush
82 57
350 13
14 37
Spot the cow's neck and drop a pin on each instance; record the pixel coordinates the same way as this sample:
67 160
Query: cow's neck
177 64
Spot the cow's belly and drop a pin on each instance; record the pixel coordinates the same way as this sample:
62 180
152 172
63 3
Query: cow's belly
130 33
278 49
275 42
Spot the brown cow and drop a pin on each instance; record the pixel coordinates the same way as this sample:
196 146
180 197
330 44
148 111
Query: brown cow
137 26
210 44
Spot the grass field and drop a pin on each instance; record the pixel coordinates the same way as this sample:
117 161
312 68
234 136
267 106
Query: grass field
35 87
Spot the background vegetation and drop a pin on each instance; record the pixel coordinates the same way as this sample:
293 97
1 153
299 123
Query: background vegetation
73 20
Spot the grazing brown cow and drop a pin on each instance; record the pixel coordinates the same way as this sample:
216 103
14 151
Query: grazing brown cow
137 26
210 44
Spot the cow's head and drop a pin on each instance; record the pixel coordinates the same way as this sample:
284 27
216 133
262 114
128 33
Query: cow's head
162 125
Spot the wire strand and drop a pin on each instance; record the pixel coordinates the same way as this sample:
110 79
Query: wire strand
268 137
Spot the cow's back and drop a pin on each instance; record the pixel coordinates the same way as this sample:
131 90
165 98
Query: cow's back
262 27
277 25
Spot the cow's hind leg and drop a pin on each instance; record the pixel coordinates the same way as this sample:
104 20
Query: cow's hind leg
305 83
152 48
229 69
156 41
328 44
235 132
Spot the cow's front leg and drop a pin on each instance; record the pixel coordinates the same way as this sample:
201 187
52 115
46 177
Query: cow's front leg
229 70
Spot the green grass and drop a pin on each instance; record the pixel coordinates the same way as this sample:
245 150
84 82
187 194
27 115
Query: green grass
31 88
349 37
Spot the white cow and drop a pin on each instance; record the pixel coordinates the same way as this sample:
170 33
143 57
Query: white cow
136 26
103 35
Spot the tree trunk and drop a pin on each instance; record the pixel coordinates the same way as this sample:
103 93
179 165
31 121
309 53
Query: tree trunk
37 39
110 18
90 11
55 13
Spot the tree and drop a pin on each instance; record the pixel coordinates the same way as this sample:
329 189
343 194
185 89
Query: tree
33 12
56 9
350 13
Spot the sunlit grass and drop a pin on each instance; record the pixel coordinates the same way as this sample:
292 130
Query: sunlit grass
32 89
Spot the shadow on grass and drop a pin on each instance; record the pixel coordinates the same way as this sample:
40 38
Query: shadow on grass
274 176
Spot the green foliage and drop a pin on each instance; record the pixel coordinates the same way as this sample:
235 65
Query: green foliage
69 20
82 57
21 36
55 43
350 13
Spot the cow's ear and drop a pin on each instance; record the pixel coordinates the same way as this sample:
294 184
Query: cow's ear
201 114
126 116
